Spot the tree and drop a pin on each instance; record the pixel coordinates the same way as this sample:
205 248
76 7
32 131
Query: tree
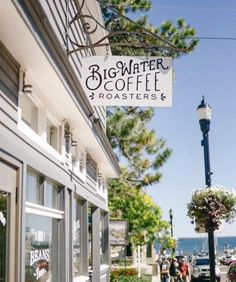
165 241
127 126
144 216
179 35
135 144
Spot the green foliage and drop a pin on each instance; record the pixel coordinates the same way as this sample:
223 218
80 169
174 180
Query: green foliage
179 34
164 239
133 140
135 144
125 275
123 272
208 207
128 279
126 6
144 216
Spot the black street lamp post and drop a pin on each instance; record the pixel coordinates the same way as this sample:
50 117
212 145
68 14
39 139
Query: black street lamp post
204 114
171 222
171 227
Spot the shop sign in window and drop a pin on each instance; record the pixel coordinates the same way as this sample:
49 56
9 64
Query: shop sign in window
41 252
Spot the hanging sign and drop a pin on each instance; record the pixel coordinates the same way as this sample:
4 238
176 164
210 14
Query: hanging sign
118 232
128 81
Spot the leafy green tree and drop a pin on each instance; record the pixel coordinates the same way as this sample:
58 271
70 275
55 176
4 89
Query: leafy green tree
144 216
179 35
164 239
135 144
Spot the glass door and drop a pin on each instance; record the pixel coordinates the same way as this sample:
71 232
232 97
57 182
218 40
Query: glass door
7 222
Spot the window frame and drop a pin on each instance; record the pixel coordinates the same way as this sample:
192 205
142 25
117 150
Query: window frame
33 124
40 209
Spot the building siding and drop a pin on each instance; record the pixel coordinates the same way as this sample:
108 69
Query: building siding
9 75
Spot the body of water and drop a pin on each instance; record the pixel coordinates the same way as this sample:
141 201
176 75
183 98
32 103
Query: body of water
196 245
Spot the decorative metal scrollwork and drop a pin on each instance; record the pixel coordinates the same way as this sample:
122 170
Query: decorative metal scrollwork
90 25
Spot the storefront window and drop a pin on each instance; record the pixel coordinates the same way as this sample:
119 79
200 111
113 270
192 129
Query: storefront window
43 230
90 238
33 188
103 238
41 191
76 237
50 195
41 249
91 168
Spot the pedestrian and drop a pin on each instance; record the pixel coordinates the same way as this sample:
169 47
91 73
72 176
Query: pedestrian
174 271
184 270
164 270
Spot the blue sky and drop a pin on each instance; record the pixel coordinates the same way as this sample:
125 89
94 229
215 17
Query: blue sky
209 70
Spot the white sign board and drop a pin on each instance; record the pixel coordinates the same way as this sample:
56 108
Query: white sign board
128 81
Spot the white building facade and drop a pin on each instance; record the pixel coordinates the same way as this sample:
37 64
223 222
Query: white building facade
55 157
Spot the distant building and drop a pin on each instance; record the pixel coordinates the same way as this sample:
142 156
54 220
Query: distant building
55 157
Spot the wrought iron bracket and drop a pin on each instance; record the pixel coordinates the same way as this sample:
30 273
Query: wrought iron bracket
143 38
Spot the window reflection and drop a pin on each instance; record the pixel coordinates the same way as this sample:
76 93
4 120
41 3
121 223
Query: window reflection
41 252
76 236
51 196
102 239
90 238
4 203
33 188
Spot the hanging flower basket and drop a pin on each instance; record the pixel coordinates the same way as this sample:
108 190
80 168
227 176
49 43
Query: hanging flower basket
210 206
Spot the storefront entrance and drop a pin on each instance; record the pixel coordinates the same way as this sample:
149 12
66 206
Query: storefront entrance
8 178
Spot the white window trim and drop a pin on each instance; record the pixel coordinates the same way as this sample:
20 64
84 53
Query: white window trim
102 190
57 126
43 211
80 157
38 99
33 136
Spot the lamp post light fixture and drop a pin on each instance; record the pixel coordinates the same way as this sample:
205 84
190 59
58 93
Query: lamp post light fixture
204 115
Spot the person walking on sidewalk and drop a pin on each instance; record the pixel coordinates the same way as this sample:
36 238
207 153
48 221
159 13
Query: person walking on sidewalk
174 271
184 270
164 270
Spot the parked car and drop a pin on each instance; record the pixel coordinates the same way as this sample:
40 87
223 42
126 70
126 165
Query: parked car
200 269
226 258
231 259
